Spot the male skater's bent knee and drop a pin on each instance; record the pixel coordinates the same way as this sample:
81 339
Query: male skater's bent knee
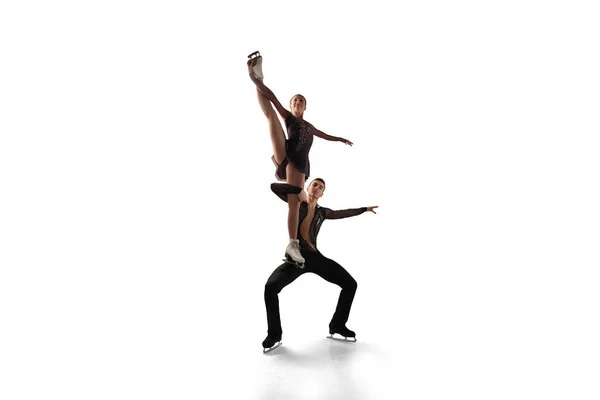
351 284
272 288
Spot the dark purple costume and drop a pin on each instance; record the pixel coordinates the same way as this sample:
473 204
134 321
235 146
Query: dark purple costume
297 146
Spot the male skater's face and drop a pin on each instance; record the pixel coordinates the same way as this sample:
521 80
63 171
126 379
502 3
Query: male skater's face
316 189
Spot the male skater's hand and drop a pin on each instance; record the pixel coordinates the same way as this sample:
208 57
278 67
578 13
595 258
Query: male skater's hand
302 196
372 209
346 141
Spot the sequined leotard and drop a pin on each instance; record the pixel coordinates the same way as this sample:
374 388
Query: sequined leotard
297 146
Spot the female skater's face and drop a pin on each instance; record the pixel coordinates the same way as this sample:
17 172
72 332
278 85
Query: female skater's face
298 104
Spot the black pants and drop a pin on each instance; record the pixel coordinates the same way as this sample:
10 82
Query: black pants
318 264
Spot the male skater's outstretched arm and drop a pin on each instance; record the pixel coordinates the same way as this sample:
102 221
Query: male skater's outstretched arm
351 212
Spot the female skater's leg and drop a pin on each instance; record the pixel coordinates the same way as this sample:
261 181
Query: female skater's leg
293 176
296 178
275 128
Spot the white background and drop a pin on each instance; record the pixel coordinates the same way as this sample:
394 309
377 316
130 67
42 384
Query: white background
138 229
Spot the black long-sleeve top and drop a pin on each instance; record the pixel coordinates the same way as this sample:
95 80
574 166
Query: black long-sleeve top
320 215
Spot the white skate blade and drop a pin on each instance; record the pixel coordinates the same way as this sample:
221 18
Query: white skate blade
270 349
342 338
299 265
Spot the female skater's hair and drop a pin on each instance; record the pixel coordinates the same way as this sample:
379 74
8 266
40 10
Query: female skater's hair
303 98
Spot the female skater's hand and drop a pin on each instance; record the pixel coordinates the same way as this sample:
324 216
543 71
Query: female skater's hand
346 141
372 209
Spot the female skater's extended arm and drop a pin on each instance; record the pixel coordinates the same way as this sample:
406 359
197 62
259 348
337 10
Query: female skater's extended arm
325 136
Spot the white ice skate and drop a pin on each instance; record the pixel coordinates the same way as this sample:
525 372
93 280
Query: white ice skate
293 255
256 60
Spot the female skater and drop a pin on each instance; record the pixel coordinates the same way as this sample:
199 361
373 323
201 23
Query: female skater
290 156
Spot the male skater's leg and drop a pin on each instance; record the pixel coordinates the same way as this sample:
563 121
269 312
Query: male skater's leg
333 272
283 275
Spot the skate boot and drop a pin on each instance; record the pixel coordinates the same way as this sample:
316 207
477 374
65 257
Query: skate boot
255 61
292 253
271 342
349 336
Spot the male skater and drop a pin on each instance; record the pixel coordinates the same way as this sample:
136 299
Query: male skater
310 219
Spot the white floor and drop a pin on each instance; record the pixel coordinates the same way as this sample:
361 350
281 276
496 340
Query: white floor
321 368
155 333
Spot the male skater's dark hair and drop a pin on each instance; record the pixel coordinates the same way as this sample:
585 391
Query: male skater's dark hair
321 180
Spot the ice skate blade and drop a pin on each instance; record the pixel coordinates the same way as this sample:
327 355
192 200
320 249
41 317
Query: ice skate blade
254 54
342 339
293 263
270 349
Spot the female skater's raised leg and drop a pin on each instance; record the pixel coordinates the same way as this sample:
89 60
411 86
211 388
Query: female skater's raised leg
293 177
275 128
